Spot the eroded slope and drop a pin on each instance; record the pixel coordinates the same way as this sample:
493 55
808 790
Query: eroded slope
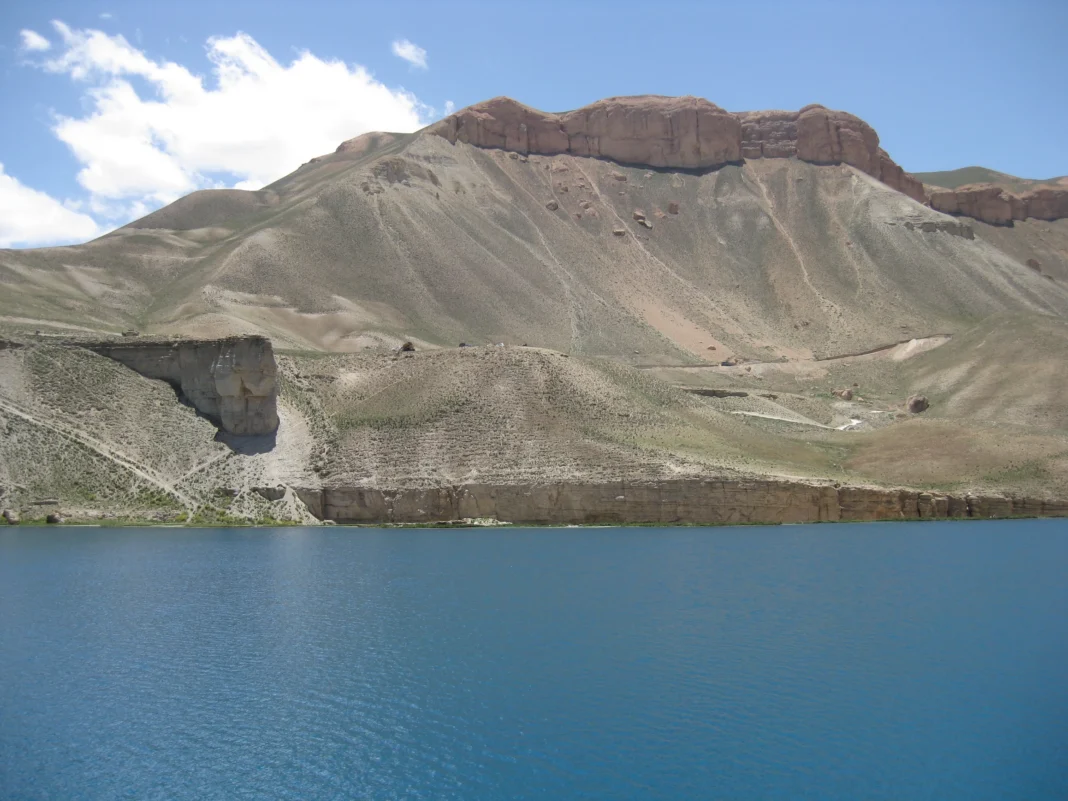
419 238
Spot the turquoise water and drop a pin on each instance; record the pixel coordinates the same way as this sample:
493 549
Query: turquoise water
882 661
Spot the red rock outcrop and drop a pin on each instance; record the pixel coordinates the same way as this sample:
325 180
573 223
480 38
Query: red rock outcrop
996 205
769 134
693 133
896 178
1046 203
678 132
683 132
822 136
832 137
985 202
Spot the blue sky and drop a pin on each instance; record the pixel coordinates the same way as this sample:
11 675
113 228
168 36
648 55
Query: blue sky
127 107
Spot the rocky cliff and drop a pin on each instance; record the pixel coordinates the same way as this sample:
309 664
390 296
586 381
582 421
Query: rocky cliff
996 205
821 136
693 133
675 501
230 381
678 132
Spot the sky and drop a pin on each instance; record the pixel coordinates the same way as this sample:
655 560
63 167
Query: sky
111 109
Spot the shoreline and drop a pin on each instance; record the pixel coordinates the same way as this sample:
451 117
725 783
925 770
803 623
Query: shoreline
671 502
696 501
449 526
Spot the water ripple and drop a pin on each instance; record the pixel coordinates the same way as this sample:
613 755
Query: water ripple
884 662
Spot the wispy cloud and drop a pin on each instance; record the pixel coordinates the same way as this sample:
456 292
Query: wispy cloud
410 52
33 41
106 15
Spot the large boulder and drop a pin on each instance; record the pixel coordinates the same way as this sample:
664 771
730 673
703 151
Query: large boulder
11 517
917 403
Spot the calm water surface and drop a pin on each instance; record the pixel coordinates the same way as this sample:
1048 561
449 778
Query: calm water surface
885 661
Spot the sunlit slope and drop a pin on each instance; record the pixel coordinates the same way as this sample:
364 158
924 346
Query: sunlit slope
79 427
445 243
952 179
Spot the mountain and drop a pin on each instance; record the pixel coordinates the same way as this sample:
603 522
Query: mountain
419 237
953 179
678 290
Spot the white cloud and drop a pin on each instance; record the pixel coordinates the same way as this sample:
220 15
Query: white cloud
251 122
410 52
33 41
450 107
106 15
29 217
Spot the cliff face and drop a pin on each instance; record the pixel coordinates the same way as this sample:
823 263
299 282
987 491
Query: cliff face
679 132
822 136
231 381
996 205
693 133
682 501
684 132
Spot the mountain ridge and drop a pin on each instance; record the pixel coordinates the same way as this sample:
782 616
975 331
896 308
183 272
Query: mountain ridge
778 317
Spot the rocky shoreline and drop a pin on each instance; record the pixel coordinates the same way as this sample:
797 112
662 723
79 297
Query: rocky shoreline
689 501
695 502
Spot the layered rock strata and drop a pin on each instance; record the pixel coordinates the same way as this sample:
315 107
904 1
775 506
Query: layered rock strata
694 133
678 132
821 136
678 501
997 206
230 381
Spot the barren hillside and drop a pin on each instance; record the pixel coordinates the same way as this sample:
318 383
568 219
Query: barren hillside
633 321
415 237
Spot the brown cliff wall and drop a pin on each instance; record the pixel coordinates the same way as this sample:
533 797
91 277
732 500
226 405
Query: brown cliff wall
819 135
682 501
996 205
231 381
693 133
678 132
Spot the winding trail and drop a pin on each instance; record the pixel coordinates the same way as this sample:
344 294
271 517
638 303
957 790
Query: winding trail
101 449
799 421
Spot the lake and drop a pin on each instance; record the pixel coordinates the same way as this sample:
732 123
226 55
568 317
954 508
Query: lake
876 661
